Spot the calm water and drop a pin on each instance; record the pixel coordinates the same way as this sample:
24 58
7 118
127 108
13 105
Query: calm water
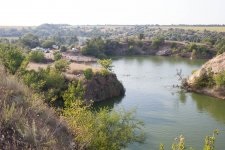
166 111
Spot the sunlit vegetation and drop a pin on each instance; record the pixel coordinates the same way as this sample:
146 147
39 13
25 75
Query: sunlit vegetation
36 56
179 143
104 129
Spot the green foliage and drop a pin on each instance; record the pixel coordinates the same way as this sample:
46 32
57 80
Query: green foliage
49 81
179 143
173 45
220 46
106 64
105 129
63 48
75 91
30 40
210 141
11 58
48 44
220 79
157 41
209 79
94 47
88 73
36 56
62 65
205 80
57 56
198 51
35 80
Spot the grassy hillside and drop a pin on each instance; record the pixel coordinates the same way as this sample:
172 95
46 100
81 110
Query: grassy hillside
26 122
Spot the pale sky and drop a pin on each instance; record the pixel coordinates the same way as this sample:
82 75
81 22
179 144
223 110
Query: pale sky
82 12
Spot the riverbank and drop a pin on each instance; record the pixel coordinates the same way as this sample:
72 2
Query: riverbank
209 79
156 46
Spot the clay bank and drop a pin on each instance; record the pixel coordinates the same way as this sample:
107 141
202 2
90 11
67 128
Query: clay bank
209 79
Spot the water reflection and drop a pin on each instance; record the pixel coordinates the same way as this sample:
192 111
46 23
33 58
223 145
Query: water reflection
159 60
182 96
215 107
108 103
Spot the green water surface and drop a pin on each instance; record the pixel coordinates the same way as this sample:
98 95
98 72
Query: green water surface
167 112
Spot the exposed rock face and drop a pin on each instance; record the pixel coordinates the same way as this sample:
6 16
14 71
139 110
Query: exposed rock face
102 87
165 52
215 65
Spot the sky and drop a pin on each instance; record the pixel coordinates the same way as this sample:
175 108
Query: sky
93 12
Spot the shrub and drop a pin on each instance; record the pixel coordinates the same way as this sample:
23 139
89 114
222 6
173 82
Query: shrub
48 44
63 48
88 73
179 143
49 81
57 56
61 65
94 47
106 64
104 129
36 56
157 41
220 79
75 91
206 80
11 59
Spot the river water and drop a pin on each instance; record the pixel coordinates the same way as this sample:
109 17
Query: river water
167 111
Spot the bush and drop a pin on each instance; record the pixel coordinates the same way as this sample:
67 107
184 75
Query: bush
75 91
179 143
88 73
94 47
157 41
220 79
57 56
49 81
36 56
63 48
48 44
61 65
106 64
206 80
11 59
104 129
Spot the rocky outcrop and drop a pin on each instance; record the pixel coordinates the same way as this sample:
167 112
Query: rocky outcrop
103 87
214 66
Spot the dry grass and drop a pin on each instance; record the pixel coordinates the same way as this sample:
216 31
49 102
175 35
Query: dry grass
36 66
26 122
82 67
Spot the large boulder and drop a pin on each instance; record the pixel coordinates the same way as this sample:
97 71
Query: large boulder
103 87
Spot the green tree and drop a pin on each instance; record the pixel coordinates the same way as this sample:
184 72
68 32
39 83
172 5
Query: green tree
63 48
157 41
11 59
30 40
36 56
62 65
105 129
106 64
48 44
94 47
74 92
57 56
88 73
